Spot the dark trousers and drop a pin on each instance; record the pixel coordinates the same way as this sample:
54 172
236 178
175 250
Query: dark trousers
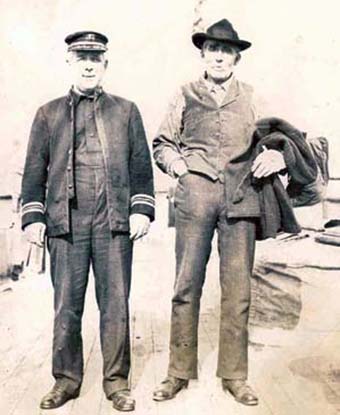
91 243
200 209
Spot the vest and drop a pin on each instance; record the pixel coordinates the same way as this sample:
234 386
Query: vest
212 134
88 151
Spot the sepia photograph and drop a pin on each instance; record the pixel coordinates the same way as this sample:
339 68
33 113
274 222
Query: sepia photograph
170 207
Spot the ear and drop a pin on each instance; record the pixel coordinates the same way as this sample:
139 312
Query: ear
237 58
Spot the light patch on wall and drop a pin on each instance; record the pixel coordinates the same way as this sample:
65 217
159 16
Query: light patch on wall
293 63
23 38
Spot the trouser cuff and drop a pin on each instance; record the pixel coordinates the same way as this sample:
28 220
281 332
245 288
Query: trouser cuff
69 385
111 387
182 375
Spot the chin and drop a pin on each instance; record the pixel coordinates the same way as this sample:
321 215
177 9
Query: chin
88 87
220 76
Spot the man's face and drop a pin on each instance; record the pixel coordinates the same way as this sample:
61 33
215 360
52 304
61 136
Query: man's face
87 68
219 59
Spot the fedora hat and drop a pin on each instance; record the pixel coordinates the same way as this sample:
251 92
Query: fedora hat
222 31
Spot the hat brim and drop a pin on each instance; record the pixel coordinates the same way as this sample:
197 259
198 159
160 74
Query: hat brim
87 47
199 38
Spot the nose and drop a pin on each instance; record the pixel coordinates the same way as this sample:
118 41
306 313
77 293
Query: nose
88 65
219 56
88 68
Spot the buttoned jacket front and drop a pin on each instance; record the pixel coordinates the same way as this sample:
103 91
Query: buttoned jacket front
48 182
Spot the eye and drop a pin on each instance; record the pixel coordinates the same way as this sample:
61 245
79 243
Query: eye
212 48
227 49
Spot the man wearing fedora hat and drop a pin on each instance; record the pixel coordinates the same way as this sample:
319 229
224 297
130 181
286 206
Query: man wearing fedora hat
89 149
205 141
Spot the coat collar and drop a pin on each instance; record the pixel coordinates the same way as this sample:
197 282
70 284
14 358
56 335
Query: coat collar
74 95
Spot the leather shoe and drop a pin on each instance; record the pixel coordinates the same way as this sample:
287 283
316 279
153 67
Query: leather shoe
169 388
57 397
123 401
241 391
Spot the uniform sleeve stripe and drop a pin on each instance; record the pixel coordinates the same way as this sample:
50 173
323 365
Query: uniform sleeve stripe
142 197
148 202
143 203
33 207
33 203
32 210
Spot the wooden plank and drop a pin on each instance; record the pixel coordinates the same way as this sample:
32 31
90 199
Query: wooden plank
16 389
26 351
266 369
142 346
26 313
89 401
142 371
40 380
26 346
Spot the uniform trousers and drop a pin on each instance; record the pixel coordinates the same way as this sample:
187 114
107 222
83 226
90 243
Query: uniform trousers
200 208
91 242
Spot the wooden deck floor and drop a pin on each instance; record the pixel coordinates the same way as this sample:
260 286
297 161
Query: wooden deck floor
302 377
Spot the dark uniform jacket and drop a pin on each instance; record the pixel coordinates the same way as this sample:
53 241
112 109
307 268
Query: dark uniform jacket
48 181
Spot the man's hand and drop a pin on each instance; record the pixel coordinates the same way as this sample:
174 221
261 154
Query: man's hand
179 167
139 226
35 233
267 163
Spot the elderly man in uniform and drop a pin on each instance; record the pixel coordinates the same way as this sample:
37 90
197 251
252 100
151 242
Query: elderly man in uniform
205 141
88 180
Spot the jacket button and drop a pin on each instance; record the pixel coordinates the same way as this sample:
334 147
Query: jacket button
70 186
91 135
68 168
70 152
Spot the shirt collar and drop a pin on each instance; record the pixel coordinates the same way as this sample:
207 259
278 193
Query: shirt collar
77 95
214 87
